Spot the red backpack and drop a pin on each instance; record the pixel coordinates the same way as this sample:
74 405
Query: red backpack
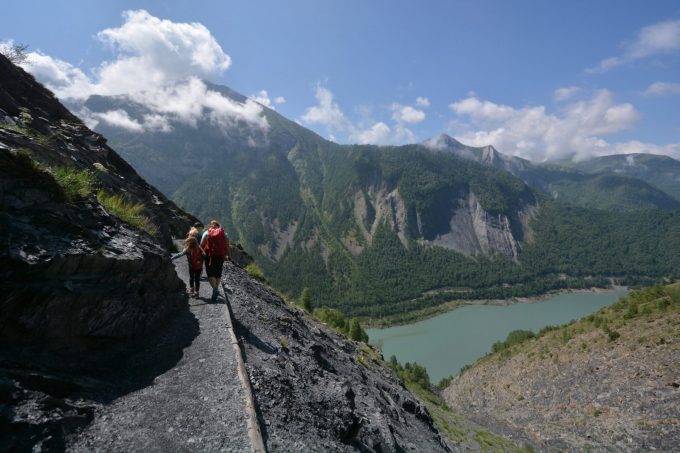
196 258
216 245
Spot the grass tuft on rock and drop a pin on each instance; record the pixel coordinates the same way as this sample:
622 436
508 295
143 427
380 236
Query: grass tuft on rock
127 211
75 183
255 272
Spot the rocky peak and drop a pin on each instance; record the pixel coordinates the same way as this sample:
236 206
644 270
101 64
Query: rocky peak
442 141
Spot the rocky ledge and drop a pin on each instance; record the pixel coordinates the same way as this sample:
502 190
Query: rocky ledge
315 390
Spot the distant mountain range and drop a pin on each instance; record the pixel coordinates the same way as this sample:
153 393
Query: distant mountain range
383 230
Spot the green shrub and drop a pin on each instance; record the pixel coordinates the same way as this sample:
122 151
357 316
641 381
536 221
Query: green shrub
356 332
663 303
74 183
337 321
445 382
126 211
632 310
333 318
410 373
306 300
255 272
612 334
513 338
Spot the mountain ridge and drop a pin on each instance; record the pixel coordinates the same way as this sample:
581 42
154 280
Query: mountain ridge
351 222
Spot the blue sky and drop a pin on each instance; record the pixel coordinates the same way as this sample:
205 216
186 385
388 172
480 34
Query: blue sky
543 80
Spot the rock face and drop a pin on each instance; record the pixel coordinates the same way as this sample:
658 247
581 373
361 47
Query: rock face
316 390
72 272
81 288
470 229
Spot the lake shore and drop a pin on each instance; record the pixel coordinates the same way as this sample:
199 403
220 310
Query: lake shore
430 312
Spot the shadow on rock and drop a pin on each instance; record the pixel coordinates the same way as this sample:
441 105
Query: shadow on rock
252 339
46 397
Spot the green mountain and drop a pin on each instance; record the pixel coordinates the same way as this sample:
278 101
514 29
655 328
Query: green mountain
662 172
380 231
612 183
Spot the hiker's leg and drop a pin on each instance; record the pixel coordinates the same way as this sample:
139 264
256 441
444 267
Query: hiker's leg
191 280
195 276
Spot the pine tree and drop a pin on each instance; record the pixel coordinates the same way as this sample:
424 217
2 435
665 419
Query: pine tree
306 301
355 331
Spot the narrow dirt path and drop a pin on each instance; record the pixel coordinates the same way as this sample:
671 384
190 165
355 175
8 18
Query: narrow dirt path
197 405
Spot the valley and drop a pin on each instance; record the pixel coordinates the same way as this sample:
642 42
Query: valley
376 231
445 226
446 343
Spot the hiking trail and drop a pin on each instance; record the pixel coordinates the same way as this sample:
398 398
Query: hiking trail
197 405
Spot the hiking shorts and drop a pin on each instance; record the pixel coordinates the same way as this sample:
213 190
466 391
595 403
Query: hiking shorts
213 266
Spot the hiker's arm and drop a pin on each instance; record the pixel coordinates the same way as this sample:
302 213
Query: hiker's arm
179 255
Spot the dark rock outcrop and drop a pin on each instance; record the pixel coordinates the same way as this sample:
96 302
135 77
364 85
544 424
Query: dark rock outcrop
80 289
72 273
316 390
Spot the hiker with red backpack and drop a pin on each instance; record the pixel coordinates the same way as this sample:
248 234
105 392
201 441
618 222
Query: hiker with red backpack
195 256
216 245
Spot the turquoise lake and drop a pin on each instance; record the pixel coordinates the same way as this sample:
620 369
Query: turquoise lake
445 343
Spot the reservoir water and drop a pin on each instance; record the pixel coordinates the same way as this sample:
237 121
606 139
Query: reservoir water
445 343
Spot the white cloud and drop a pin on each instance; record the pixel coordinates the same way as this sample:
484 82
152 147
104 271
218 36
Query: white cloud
159 64
327 112
263 98
376 134
659 38
531 132
119 118
407 114
661 88
156 122
66 81
562 94
153 51
366 131
191 101
422 101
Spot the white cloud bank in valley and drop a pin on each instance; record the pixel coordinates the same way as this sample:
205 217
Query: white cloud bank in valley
577 131
158 63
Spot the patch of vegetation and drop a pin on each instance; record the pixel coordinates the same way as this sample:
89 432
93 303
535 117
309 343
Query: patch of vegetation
306 300
410 372
75 183
336 320
127 211
254 271
513 338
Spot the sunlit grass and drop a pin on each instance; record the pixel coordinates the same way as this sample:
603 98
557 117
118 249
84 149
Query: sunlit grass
74 183
127 211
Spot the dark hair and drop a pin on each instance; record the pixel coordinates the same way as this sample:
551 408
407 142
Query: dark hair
198 225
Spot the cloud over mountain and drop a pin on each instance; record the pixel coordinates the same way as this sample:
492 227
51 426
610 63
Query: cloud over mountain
576 131
157 63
